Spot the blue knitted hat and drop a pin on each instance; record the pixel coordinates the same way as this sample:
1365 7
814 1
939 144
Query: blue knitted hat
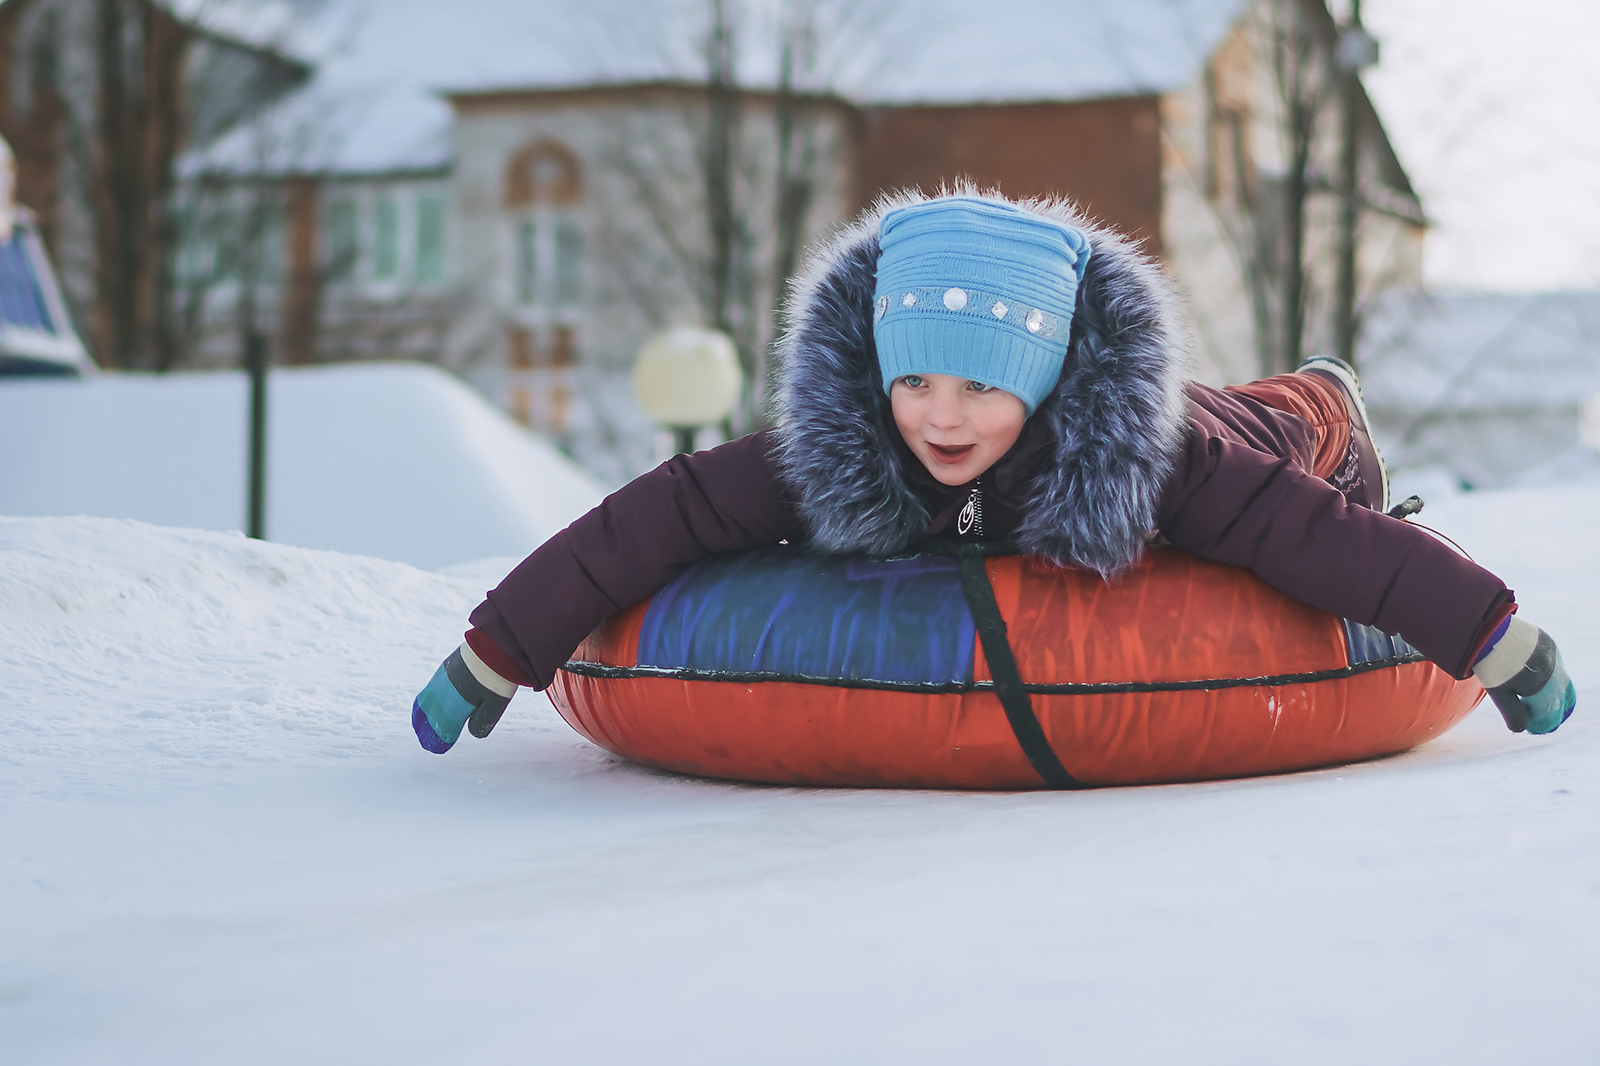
978 289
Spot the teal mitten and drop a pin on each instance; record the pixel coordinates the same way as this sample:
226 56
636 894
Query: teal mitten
462 692
1522 669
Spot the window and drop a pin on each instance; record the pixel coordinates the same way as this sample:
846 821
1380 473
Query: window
342 244
193 263
237 240
267 243
543 251
542 194
568 259
528 262
220 229
430 238
549 259
385 238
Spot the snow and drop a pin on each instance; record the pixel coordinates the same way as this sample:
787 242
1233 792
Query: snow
222 843
1490 108
400 461
1481 351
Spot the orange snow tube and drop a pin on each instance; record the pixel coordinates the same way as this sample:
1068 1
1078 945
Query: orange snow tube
965 670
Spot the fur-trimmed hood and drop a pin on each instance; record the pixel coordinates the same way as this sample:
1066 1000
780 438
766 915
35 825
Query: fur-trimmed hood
1113 424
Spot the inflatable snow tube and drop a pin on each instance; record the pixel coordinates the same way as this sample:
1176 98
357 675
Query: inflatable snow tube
962 670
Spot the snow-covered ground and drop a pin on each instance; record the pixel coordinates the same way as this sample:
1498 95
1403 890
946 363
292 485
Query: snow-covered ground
396 460
221 843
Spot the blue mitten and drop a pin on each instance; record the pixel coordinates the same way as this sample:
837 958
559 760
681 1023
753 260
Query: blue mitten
462 692
1522 669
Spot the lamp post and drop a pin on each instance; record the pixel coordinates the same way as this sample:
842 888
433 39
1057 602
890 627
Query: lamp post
686 378
255 360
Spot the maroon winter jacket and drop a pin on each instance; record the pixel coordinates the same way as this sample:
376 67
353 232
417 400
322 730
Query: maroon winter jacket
1124 447
1239 494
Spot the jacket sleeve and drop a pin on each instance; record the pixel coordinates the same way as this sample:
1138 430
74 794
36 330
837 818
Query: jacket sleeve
640 537
1236 504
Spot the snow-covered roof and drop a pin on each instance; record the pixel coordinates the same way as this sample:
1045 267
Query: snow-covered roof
1428 352
385 66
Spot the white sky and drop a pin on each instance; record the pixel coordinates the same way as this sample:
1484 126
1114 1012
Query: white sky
1495 111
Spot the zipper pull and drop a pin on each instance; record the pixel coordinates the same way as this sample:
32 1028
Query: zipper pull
970 520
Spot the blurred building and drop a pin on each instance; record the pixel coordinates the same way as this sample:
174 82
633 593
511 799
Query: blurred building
36 334
1488 389
99 100
524 191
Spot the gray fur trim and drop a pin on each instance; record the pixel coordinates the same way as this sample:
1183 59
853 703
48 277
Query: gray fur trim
1116 416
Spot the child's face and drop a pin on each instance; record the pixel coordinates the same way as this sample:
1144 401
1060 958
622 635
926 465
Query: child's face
958 428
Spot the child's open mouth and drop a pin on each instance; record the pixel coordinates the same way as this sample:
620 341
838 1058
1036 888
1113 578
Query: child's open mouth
951 453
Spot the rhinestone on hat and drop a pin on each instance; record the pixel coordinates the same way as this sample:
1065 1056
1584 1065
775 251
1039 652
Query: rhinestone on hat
909 300
883 306
955 299
1034 321
999 309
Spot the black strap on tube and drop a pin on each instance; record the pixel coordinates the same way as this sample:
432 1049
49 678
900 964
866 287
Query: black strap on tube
1003 665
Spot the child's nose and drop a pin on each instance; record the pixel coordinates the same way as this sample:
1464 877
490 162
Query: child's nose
945 412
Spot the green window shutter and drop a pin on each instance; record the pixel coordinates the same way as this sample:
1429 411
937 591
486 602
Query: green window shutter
569 260
527 236
189 259
270 245
385 238
343 243
430 238
221 229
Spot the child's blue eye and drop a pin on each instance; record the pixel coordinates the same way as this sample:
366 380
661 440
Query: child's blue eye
978 386
912 381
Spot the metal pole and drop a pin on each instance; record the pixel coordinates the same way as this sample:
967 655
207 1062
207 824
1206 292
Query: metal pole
683 439
255 358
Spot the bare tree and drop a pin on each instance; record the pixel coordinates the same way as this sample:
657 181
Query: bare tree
144 91
1265 214
141 117
728 199
724 221
797 160
1303 87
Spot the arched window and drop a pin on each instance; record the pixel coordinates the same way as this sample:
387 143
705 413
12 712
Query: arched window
543 189
544 239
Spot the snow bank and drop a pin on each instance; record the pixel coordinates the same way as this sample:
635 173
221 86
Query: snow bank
220 842
401 462
188 647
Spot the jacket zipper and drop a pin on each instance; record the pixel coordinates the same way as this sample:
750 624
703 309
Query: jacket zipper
970 520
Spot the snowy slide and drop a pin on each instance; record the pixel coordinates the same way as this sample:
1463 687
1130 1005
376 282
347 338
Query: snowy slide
221 843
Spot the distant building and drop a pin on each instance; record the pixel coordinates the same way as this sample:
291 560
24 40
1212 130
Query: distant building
518 190
98 100
1490 389
36 334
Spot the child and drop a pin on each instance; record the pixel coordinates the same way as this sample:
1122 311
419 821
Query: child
968 367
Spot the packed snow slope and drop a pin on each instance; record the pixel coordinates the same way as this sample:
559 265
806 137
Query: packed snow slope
399 461
221 843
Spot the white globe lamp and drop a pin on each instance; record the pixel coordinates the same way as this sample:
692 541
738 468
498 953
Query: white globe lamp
686 378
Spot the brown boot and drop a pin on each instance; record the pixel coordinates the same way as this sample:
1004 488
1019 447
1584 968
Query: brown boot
1362 477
